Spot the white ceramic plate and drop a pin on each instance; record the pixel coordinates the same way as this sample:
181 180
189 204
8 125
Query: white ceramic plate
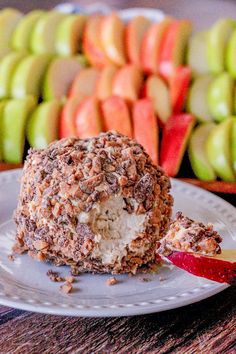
24 284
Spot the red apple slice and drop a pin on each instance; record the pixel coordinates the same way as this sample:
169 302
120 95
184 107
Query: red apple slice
173 47
145 127
104 84
179 84
151 44
116 115
88 118
174 142
112 38
220 268
67 121
85 83
157 90
127 83
134 34
92 45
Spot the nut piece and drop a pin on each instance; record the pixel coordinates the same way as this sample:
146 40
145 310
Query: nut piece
111 281
66 288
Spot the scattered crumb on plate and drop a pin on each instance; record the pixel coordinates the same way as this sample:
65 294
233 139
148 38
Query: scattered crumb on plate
66 287
54 276
111 281
11 257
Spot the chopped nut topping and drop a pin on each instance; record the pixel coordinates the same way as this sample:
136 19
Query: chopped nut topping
111 281
54 276
70 279
66 288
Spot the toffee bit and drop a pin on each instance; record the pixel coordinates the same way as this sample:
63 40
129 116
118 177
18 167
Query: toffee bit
74 271
145 280
11 257
66 287
111 281
70 279
54 276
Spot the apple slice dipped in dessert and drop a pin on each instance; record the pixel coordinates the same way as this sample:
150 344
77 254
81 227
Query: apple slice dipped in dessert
174 142
112 38
157 90
134 33
151 45
179 84
92 44
145 127
105 80
88 120
85 82
173 47
195 248
116 116
127 83
59 77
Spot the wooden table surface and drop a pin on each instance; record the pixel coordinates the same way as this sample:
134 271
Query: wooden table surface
205 327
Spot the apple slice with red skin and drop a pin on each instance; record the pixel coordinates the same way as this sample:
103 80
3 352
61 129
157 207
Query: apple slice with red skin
134 33
151 44
67 120
179 84
92 45
104 83
127 83
88 121
116 115
174 142
220 268
85 82
145 127
173 47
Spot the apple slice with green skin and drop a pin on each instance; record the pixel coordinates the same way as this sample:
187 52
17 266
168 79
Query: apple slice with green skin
174 142
69 35
43 37
59 77
218 148
143 116
233 149
104 83
220 96
112 38
116 116
28 76
2 107
67 120
179 85
92 44
134 33
16 113
157 90
151 44
43 124
85 82
197 152
197 103
127 83
9 19
21 36
217 41
173 47
197 54
231 55
220 268
7 66
88 118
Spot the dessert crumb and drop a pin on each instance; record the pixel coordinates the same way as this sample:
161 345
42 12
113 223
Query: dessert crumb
111 281
11 257
74 271
145 280
70 279
54 276
66 287
162 278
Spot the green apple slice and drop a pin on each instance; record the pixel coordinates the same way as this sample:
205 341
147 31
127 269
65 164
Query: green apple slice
234 144
2 107
8 21
44 33
28 76
216 44
43 125
21 35
7 66
197 152
69 35
59 78
231 55
197 98
15 116
4 51
220 97
218 148
197 54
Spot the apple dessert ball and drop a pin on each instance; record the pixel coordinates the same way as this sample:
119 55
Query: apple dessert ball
98 205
